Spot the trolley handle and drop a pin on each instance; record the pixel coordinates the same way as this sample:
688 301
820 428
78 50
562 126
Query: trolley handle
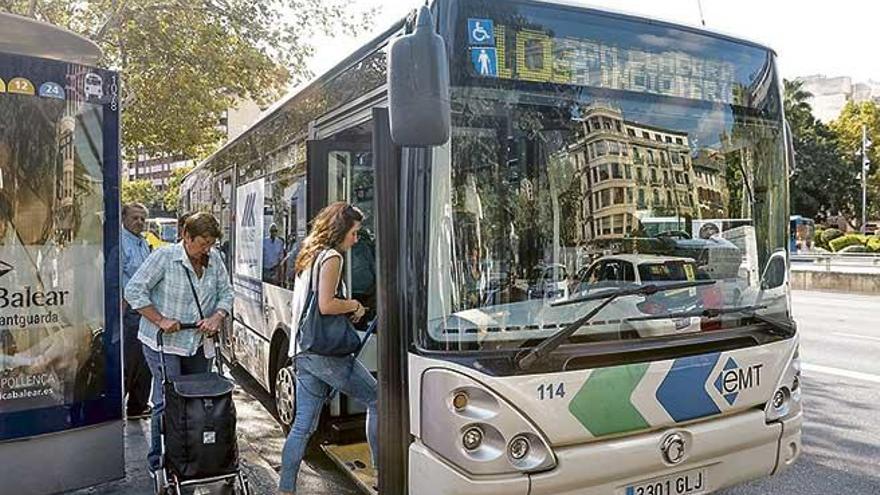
189 326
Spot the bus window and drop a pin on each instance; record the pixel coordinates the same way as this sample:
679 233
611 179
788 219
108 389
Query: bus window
282 194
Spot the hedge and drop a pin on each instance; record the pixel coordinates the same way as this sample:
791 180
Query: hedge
844 241
829 235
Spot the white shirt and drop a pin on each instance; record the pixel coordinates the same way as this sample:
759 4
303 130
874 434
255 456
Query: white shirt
301 294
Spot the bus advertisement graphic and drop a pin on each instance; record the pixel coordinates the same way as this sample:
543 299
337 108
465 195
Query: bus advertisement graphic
249 230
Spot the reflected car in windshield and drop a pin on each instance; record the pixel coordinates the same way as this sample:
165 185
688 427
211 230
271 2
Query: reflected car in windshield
618 271
548 282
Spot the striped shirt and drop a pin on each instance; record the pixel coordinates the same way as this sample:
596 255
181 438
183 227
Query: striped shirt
161 282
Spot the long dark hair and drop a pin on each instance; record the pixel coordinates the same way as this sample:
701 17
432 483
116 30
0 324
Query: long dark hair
328 231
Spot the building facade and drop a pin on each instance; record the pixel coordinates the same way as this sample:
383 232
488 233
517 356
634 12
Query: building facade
831 94
156 170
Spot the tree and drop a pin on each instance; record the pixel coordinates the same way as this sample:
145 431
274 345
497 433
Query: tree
797 106
172 191
848 127
184 62
822 182
139 191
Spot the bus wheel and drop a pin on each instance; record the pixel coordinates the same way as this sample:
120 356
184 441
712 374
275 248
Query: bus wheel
285 395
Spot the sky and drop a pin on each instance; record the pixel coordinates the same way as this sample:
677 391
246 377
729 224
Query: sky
832 38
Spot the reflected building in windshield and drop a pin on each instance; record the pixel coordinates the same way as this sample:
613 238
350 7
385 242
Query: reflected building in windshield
630 171
710 183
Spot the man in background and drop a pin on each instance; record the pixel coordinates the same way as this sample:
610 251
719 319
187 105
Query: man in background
134 251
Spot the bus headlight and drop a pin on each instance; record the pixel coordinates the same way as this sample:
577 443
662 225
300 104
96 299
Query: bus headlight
473 438
780 399
786 401
493 436
518 448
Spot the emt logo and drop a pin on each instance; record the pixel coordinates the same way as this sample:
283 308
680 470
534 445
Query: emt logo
733 379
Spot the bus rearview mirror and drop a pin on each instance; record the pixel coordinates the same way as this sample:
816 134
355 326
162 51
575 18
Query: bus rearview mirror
418 86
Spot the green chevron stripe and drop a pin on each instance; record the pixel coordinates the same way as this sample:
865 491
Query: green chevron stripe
603 404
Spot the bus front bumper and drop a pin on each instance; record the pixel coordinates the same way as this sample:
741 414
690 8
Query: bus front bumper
729 450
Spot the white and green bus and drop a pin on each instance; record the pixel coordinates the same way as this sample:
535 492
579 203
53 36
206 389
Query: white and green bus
486 141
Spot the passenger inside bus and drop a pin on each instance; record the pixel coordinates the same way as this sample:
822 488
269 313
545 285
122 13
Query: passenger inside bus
363 275
273 252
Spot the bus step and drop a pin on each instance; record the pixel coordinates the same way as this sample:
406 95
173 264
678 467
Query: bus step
354 459
345 431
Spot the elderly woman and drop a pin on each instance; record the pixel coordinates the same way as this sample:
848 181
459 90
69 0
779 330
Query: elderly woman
160 291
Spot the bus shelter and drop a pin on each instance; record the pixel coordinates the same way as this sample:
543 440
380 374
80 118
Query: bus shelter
60 368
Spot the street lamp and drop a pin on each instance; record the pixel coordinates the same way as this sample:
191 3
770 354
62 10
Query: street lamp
866 144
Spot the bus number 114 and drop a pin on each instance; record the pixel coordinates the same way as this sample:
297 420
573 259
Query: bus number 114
551 391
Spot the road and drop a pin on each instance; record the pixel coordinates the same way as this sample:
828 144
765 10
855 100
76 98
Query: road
840 345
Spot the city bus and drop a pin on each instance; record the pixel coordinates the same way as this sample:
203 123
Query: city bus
483 139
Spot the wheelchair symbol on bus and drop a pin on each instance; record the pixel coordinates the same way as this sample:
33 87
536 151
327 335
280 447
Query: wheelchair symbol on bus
481 32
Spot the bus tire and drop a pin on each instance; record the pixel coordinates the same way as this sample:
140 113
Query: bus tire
284 390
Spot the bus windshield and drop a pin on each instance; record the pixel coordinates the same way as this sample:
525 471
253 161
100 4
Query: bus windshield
595 152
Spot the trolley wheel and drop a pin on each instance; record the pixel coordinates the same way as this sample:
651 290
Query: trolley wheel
161 485
243 487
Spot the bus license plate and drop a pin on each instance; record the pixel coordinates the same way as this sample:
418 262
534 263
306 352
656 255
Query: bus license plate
686 483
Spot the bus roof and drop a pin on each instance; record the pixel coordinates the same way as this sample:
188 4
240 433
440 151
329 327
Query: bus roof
315 82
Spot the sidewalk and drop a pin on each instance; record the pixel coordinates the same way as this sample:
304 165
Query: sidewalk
260 443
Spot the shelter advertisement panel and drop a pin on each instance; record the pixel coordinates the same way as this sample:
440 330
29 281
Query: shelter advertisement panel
59 278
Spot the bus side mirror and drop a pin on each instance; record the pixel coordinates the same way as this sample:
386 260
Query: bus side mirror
418 86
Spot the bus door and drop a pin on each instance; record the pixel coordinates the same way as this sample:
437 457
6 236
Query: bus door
222 209
341 169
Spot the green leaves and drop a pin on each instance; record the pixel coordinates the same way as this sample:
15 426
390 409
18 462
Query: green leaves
825 181
848 128
185 62
139 191
172 190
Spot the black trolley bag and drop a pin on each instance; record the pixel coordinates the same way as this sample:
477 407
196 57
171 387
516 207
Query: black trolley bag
199 443
199 426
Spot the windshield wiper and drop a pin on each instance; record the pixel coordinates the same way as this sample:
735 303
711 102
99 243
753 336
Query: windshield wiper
782 328
526 360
